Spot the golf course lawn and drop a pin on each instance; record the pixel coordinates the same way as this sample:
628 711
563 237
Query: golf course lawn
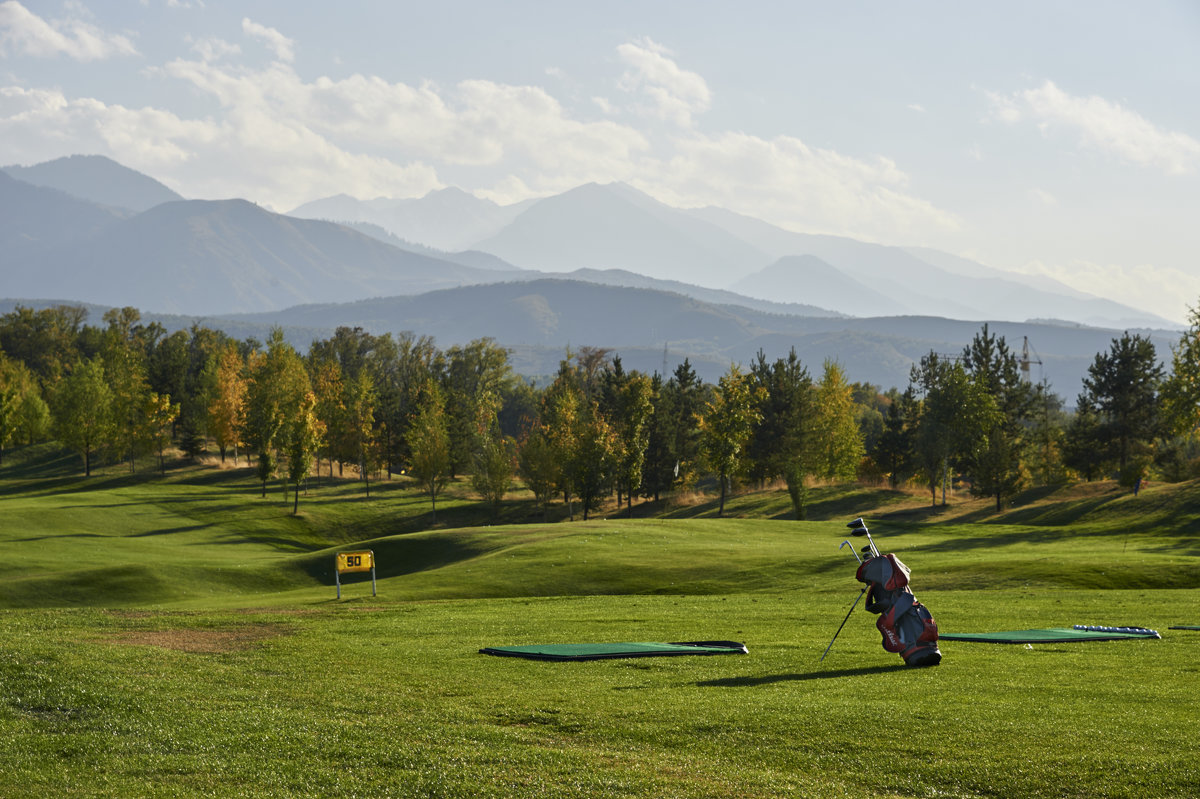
182 638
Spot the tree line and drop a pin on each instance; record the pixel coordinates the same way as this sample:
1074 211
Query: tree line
383 405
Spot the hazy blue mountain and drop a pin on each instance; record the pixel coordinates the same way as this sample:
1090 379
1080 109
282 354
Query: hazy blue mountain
205 257
620 277
448 219
540 312
475 258
951 287
616 227
33 218
97 179
806 278
539 318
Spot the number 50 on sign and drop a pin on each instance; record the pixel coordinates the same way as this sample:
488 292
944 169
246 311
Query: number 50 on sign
363 561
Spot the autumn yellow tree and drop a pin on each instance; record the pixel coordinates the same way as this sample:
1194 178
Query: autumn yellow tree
227 409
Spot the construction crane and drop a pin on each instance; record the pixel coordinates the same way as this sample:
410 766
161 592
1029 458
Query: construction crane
1027 359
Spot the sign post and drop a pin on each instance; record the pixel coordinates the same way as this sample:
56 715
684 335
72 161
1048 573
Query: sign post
361 561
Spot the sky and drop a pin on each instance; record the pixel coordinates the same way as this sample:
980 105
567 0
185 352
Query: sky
1057 138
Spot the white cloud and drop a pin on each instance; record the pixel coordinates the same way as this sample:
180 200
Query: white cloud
1164 291
1101 125
474 123
283 47
213 49
248 155
784 181
24 33
920 109
281 140
675 93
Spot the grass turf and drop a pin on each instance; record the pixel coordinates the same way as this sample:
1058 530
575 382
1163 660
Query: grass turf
180 637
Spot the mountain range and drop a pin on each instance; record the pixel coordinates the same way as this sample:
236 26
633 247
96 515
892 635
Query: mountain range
600 264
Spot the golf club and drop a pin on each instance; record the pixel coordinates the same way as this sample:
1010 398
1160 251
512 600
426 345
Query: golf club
852 552
859 528
843 624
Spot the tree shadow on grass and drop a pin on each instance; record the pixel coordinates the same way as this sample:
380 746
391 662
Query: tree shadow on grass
769 679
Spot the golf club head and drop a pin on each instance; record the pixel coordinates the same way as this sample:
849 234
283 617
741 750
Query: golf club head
852 552
857 523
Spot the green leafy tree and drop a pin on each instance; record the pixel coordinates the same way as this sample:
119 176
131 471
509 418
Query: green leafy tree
326 377
838 439
429 441
561 418
301 439
953 414
593 461
33 417
1181 390
47 341
359 405
674 442
493 463
726 425
160 413
125 367
82 410
658 469
1122 385
628 407
1084 447
472 372
997 459
784 442
278 384
895 451
1047 438
540 467
18 390
416 361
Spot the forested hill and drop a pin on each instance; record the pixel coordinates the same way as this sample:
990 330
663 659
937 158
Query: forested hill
539 318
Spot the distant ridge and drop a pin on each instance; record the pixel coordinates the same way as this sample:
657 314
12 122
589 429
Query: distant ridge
808 279
97 179
35 218
214 256
603 227
448 219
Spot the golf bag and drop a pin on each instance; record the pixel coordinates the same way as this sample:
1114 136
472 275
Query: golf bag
906 625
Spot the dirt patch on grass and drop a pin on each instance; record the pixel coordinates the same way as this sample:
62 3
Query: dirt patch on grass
229 639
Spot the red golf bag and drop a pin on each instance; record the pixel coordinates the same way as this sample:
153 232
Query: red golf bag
906 625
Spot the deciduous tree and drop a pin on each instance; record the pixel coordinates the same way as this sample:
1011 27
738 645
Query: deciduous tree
430 443
725 427
82 411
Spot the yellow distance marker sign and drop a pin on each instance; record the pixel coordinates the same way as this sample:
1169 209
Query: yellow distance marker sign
355 561
362 561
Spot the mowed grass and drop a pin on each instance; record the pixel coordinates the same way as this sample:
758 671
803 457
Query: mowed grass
181 638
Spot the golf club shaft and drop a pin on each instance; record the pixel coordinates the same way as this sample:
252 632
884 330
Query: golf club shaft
843 624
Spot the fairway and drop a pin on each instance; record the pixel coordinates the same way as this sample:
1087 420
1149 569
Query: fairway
160 641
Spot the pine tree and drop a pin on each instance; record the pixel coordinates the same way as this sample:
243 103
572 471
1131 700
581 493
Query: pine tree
1122 385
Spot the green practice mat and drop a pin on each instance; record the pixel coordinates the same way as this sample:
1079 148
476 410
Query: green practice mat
619 650
1053 635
